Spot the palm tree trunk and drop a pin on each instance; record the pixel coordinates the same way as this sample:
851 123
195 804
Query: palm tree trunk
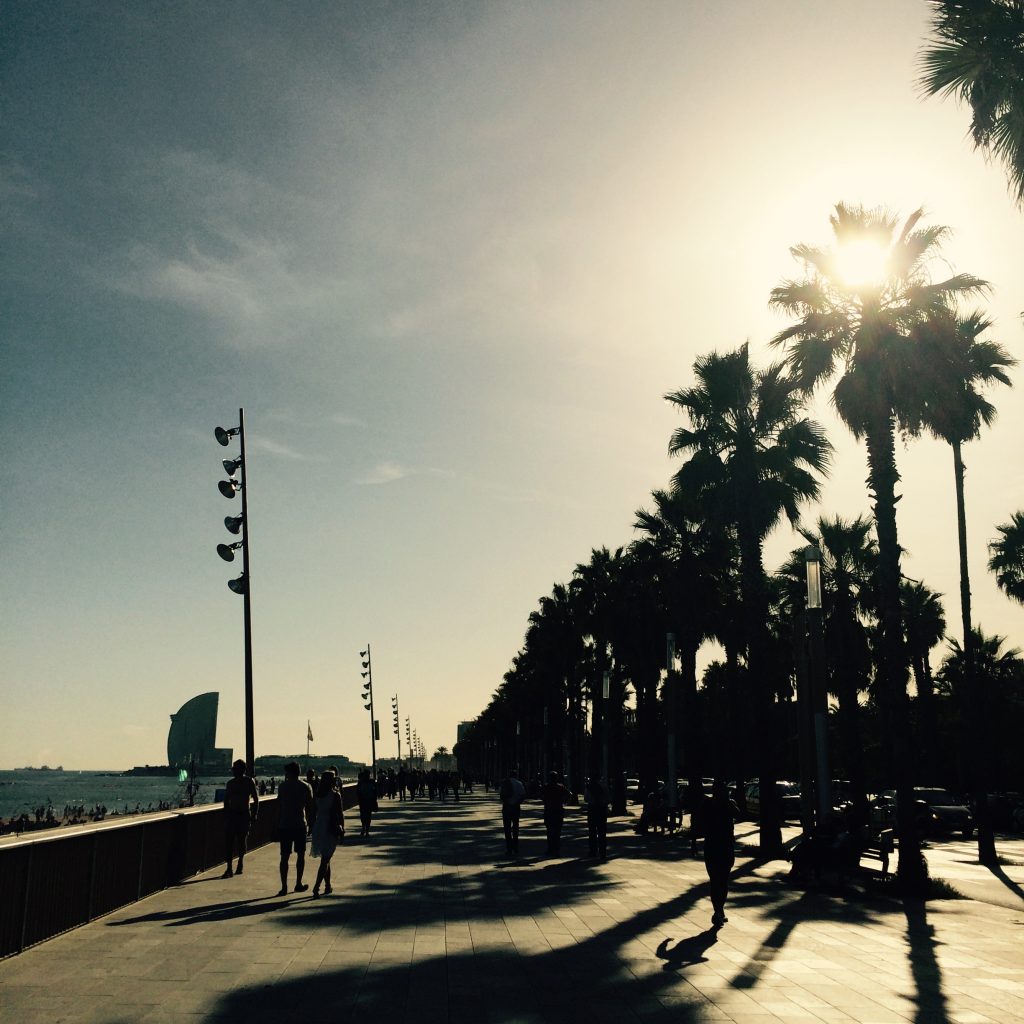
892 666
975 684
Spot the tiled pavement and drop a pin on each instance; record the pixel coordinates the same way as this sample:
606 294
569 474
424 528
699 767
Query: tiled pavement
429 922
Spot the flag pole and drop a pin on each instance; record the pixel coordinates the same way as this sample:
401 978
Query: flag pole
309 733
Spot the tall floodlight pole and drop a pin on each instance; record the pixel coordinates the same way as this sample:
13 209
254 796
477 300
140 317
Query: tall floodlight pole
819 696
240 524
368 696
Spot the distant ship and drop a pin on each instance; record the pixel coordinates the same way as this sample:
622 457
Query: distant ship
41 768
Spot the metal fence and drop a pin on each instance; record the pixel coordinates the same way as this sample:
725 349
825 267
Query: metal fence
60 879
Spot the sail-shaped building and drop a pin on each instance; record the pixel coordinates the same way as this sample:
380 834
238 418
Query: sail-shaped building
193 734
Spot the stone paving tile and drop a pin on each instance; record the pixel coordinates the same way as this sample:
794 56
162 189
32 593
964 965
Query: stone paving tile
429 923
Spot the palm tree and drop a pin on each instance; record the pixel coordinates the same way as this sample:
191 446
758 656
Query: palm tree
925 623
863 327
594 592
695 554
638 642
1006 558
554 635
977 55
956 365
753 458
999 670
848 556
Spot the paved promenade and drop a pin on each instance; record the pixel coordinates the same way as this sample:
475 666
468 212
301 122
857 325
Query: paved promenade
429 922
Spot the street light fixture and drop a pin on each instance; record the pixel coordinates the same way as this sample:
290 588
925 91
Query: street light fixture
240 525
398 735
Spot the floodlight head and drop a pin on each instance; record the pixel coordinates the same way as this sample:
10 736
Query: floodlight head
362 654
224 436
228 487
230 465
233 523
366 664
239 586
227 551
364 674
367 706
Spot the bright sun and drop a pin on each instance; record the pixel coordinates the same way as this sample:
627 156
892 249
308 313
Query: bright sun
862 262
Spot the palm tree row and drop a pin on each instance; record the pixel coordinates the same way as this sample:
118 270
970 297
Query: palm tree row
904 358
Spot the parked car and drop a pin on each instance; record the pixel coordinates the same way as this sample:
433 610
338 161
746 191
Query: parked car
789 800
936 811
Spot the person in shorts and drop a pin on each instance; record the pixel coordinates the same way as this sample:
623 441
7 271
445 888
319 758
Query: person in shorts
294 818
238 819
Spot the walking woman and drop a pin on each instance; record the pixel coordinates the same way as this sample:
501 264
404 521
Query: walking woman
328 829
717 817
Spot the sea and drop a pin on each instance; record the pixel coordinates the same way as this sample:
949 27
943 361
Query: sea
23 791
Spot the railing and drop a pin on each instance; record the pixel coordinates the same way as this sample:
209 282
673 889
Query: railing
64 878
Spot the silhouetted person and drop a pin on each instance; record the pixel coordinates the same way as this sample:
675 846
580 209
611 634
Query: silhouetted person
238 819
366 795
596 796
512 793
328 829
294 815
555 796
717 816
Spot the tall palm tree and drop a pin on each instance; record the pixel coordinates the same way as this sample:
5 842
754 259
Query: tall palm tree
977 55
1006 557
754 457
956 366
863 328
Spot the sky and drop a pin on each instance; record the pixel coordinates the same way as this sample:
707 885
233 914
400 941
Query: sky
449 257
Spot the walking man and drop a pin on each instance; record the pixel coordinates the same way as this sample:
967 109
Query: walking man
294 818
512 793
718 815
238 819
554 796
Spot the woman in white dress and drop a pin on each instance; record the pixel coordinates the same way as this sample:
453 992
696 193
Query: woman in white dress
328 829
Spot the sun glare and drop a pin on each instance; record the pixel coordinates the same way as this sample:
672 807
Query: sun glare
862 262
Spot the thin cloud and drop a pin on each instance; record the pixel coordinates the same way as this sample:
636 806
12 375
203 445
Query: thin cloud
383 473
342 419
389 472
283 450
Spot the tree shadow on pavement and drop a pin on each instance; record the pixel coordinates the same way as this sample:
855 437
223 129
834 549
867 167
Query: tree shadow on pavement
1006 880
924 966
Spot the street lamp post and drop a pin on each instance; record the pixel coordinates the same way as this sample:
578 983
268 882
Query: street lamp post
819 695
242 585
606 689
670 707
367 674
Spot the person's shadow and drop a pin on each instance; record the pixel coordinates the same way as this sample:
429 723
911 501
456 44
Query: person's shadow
687 952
